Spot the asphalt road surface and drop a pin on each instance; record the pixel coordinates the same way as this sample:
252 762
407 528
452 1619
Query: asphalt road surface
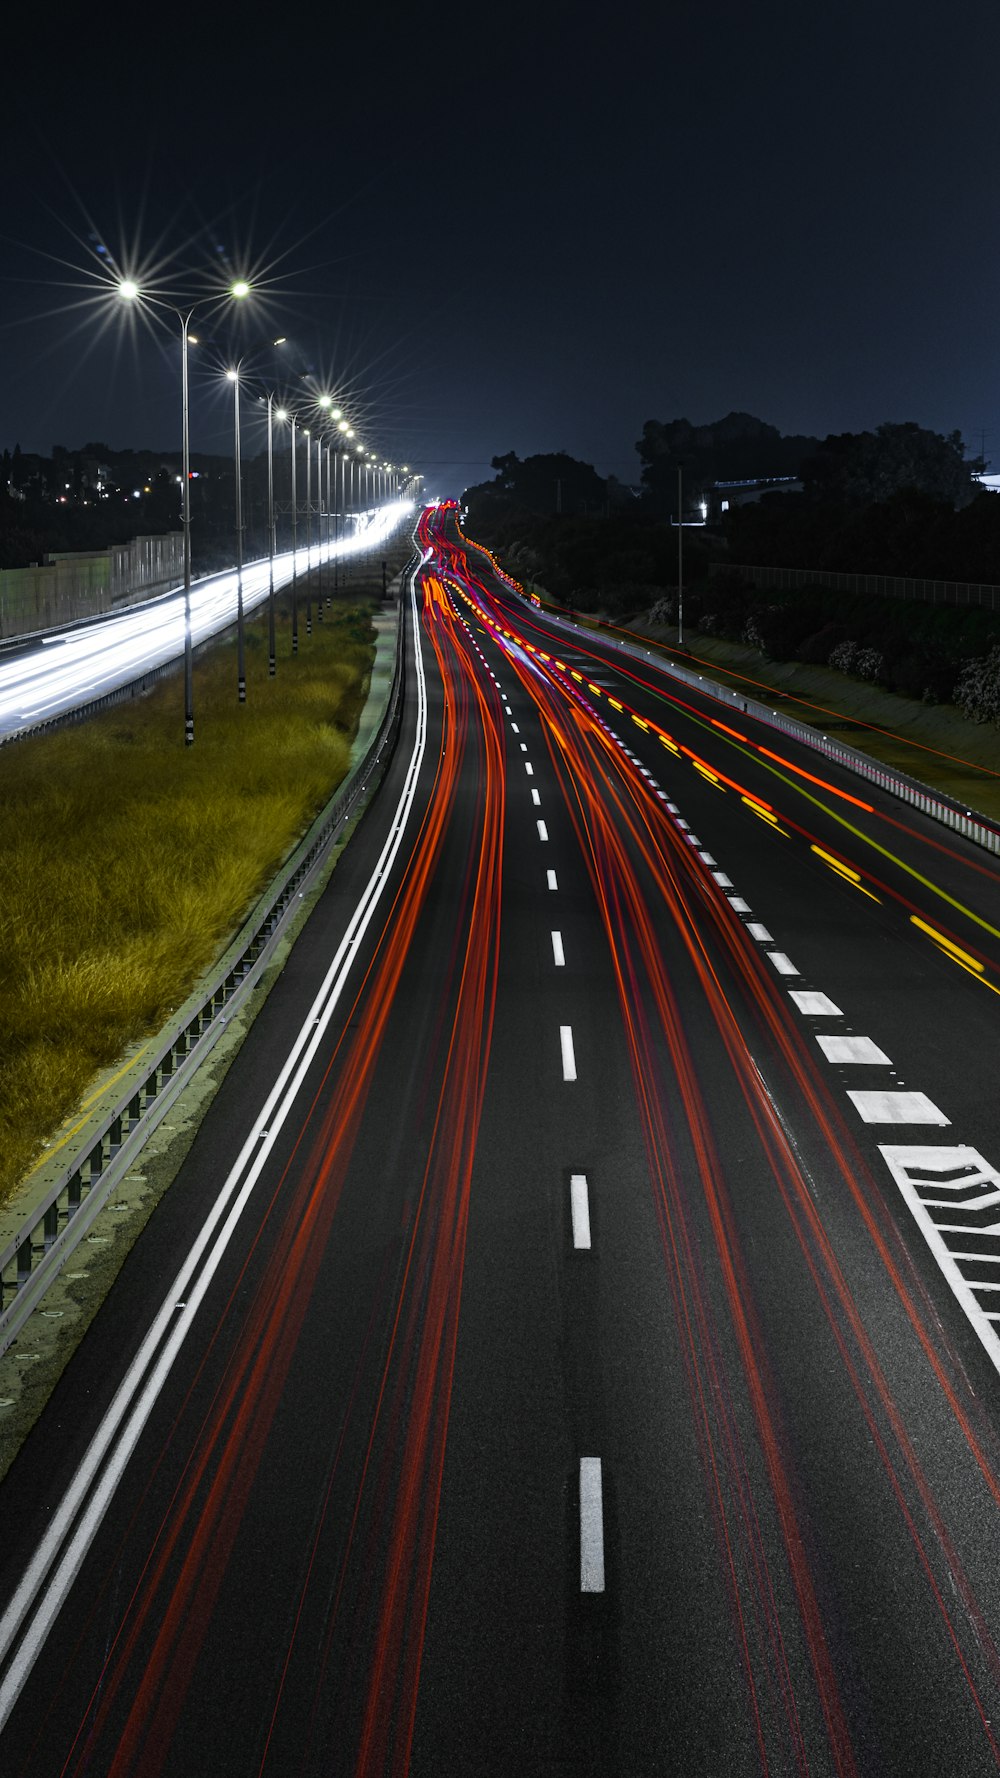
571 1344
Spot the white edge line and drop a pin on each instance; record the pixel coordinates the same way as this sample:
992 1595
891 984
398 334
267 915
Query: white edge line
272 1117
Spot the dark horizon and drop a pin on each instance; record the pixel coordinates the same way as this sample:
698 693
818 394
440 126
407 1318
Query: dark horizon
775 213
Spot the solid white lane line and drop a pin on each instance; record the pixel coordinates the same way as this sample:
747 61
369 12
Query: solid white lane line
558 954
543 832
852 1049
90 1492
591 1526
897 1108
536 799
816 1004
550 878
782 963
580 1207
568 1056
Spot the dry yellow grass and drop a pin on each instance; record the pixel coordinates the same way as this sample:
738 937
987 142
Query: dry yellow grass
126 860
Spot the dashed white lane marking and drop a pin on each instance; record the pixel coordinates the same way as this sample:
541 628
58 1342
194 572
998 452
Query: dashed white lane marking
723 881
852 1049
706 858
550 878
756 930
524 746
514 729
543 832
591 1526
580 1207
782 964
896 1108
529 768
568 1055
738 905
536 799
558 954
819 1005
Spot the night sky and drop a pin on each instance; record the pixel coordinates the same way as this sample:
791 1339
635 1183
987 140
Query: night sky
522 228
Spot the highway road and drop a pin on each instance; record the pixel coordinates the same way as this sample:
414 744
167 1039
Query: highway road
49 676
571 1343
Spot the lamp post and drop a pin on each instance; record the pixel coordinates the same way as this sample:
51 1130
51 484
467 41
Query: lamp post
233 375
241 666
309 609
129 291
338 500
680 559
329 514
295 550
272 653
319 528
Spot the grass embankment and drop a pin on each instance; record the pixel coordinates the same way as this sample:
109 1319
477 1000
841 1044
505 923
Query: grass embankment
128 860
932 742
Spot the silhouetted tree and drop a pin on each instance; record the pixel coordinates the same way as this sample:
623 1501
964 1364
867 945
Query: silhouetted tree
862 468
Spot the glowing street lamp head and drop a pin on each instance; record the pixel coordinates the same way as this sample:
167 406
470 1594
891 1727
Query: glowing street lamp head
281 413
128 289
325 401
342 426
240 289
232 376
336 413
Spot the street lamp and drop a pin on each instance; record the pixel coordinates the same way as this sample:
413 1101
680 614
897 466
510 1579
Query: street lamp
272 653
129 291
309 609
233 376
292 417
319 524
241 666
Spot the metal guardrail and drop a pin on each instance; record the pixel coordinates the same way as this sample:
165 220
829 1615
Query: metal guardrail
65 1211
971 825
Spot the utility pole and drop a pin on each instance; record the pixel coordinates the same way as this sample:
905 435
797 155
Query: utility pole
680 560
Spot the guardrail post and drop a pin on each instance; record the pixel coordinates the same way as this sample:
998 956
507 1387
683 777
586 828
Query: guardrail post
24 1263
51 1226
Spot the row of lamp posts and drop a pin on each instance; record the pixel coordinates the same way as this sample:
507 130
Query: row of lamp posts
378 487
